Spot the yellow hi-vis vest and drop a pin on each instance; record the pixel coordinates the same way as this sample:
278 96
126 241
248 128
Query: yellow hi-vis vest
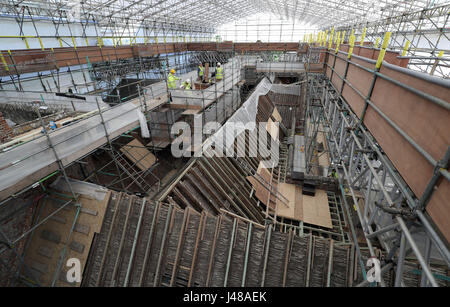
171 81
200 73
187 86
219 73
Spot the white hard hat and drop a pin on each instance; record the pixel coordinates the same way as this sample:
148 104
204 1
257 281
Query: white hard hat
218 64
187 81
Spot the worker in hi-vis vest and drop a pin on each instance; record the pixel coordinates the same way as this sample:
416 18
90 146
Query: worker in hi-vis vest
200 71
219 72
334 174
186 85
172 80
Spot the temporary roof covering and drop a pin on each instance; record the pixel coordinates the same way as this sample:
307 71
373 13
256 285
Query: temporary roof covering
213 13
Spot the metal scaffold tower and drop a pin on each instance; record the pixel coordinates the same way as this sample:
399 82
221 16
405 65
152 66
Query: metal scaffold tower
105 64
373 190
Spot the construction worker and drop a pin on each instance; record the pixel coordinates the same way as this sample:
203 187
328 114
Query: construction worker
200 71
219 72
52 125
334 174
186 85
171 80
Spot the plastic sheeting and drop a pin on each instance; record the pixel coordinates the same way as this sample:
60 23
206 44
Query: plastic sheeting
224 138
80 187
286 89
287 67
299 162
145 133
70 143
27 100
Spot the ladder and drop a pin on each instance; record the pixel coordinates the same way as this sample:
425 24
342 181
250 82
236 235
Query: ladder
131 173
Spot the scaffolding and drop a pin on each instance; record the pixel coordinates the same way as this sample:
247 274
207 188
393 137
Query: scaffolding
110 61
370 185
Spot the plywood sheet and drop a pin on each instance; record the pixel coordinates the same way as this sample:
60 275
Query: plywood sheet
316 209
264 172
273 129
339 70
140 155
430 128
294 209
277 115
403 107
260 191
361 80
439 207
61 230
313 210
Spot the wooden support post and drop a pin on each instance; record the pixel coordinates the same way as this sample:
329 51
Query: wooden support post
206 74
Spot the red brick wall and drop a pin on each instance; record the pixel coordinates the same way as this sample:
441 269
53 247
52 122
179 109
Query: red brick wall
5 131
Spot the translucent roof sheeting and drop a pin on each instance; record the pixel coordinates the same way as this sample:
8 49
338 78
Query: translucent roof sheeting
265 27
213 13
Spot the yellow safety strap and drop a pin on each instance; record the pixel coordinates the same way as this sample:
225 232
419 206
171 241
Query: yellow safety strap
377 42
40 42
73 42
363 36
386 39
338 41
385 44
4 61
352 44
405 49
330 42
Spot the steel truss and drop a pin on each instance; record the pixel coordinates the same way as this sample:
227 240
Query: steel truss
92 28
426 29
387 215
200 18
